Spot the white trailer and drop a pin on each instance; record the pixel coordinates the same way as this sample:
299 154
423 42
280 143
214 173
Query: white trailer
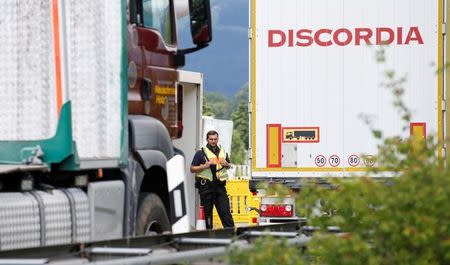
314 75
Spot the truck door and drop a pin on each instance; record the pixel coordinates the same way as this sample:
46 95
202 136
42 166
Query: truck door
153 30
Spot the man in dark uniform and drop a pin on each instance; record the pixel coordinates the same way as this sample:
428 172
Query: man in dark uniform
210 164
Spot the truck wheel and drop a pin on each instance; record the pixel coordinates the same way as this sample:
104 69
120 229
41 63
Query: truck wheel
152 217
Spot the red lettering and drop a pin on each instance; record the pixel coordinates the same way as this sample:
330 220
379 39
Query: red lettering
280 33
291 38
345 32
343 37
414 35
301 35
317 37
389 40
399 36
366 37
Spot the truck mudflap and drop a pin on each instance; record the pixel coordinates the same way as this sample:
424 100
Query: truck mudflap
175 179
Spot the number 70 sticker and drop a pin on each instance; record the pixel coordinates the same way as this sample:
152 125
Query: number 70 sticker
334 160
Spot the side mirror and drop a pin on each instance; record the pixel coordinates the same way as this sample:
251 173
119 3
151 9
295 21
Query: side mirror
200 14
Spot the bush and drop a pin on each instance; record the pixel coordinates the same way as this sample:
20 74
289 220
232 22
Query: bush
398 214
403 219
267 251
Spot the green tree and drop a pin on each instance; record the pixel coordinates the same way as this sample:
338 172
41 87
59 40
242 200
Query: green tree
208 110
240 124
218 106
239 97
237 148
218 103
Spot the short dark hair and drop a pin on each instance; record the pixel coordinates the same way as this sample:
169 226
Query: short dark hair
212 132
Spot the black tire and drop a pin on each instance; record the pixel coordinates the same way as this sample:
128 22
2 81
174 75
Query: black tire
152 217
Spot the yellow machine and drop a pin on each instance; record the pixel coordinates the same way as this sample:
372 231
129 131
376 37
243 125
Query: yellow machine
241 203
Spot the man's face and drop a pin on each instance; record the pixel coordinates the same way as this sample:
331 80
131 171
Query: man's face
213 139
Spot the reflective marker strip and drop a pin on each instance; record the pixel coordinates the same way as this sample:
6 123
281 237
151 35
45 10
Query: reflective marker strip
57 57
175 181
418 130
178 203
273 145
418 133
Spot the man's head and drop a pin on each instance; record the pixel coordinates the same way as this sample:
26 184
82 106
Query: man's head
212 137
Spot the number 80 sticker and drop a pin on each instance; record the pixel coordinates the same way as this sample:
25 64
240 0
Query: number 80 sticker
320 160
334 160
353 160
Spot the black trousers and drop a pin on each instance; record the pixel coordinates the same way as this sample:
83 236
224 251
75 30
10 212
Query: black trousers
216 196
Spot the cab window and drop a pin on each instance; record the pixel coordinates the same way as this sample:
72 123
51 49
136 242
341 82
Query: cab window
157 15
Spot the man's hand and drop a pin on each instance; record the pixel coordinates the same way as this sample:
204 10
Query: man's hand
201 167
207 164
224 163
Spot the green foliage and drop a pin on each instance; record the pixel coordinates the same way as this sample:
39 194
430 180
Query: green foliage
400 220
399 214
267 251
237 148
239 97
240 122
208 110
403 219
218 104
345 250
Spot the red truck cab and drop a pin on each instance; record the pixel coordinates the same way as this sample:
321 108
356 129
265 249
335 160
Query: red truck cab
154 56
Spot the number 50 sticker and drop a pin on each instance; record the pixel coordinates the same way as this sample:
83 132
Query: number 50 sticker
335 160
320 160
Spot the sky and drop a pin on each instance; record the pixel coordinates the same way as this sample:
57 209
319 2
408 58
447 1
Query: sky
225 61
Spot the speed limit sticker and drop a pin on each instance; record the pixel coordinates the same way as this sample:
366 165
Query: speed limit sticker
353 160
369 160
320 160
334 161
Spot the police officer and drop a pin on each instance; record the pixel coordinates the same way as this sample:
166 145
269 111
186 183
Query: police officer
210 163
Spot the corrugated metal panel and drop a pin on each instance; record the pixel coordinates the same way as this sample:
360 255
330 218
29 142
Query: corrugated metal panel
58 225
27 84
83 217
332 86
19 221
95 49
21 225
